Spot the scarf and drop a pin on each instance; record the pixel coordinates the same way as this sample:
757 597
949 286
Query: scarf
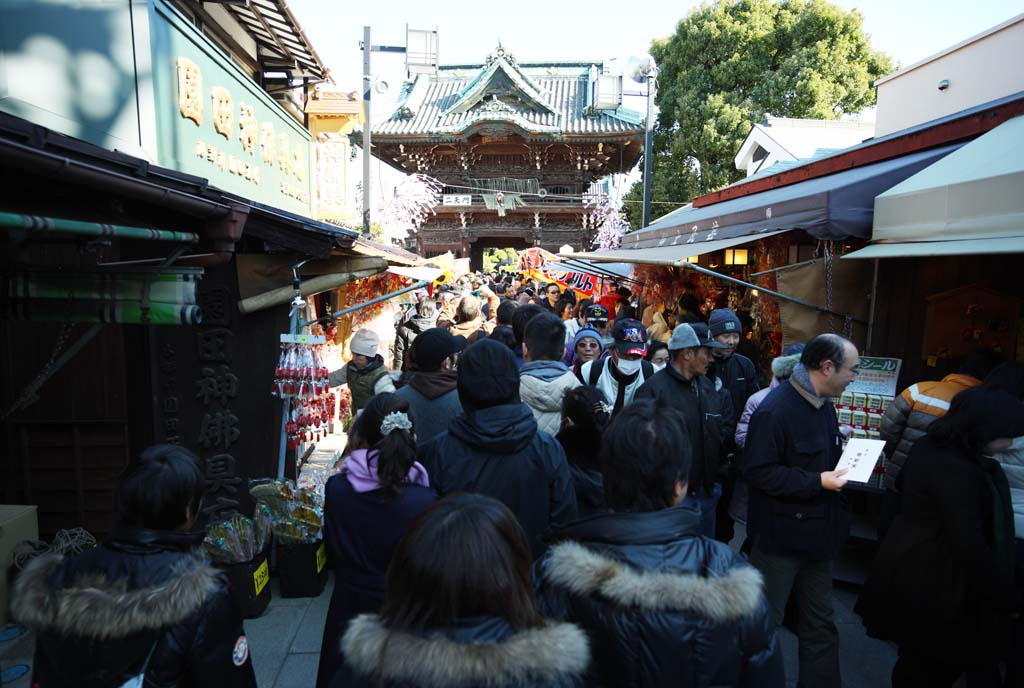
360 470
434 384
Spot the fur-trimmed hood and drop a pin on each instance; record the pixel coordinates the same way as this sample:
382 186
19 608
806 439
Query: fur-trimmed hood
720 598
552 654
94 607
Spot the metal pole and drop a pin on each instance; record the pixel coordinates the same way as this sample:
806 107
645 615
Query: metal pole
648 151
372 302
367 86
821 309
871 314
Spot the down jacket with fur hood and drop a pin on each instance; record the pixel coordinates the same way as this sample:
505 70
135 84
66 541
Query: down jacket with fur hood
99 615
480 652
661 605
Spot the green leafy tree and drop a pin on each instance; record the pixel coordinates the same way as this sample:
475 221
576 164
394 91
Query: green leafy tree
728 64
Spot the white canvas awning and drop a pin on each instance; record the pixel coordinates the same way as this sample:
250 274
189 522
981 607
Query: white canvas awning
969 202
669 255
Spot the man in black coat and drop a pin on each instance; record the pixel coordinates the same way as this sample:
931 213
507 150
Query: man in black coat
736 373
683 385
494 448
797 521
661 604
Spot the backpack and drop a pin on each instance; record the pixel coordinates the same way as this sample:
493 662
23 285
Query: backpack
598 367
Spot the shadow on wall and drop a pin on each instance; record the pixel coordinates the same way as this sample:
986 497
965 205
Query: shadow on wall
71 67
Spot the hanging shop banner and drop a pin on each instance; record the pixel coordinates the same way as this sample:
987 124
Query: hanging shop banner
543 265
214 121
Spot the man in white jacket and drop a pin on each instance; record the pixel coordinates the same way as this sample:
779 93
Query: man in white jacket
544 379
620 376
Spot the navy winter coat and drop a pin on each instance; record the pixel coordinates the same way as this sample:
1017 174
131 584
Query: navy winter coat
362 530
661 605
97 616
789 445
499 452
480 652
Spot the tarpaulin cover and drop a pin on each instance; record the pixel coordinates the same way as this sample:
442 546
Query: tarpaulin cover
837 206
970 202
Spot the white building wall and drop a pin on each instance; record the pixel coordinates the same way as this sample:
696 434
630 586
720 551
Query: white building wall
980 69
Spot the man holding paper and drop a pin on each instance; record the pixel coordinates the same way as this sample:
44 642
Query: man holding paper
797 521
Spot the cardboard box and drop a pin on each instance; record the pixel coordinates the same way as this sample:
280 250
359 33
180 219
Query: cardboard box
17 523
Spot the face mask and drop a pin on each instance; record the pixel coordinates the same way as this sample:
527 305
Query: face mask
658 366
627 367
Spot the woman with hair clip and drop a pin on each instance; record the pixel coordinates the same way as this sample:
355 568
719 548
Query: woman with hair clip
460 610
368 508
585 415
141 608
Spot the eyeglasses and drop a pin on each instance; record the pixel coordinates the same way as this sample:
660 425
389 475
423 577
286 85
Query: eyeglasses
839 366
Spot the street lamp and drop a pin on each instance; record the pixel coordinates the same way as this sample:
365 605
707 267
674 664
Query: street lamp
369 85
642 68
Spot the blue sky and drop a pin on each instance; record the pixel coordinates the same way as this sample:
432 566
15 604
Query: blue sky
538 30
535 30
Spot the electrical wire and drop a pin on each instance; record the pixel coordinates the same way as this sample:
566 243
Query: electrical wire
571 197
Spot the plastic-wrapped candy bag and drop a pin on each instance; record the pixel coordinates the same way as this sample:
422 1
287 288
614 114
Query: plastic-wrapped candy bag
230 541
291 532
263 523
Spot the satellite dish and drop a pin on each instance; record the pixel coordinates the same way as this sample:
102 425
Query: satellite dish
639 67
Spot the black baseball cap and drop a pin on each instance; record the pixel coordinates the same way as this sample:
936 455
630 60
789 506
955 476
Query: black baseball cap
630 337
596 313
432 346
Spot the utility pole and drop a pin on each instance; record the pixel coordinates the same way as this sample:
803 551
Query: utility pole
369 85
648 150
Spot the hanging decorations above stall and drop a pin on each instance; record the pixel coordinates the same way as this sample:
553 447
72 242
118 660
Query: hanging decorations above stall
301 377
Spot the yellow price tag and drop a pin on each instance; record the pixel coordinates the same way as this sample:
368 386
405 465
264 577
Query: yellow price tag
261 577
321 558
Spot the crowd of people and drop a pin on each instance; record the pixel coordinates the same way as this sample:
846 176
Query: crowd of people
543 493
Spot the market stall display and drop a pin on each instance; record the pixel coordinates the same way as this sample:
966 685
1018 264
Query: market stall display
238 545
297 515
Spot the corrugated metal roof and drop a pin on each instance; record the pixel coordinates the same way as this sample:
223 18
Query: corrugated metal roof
421 110
273 26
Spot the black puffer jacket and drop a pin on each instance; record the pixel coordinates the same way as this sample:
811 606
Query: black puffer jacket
499 452
661 605
405 335
479 652
738 375
98 615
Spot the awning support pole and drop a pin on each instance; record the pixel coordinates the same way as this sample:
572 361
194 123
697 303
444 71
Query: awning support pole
871 313
785 267
422 284
575 262
820 309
